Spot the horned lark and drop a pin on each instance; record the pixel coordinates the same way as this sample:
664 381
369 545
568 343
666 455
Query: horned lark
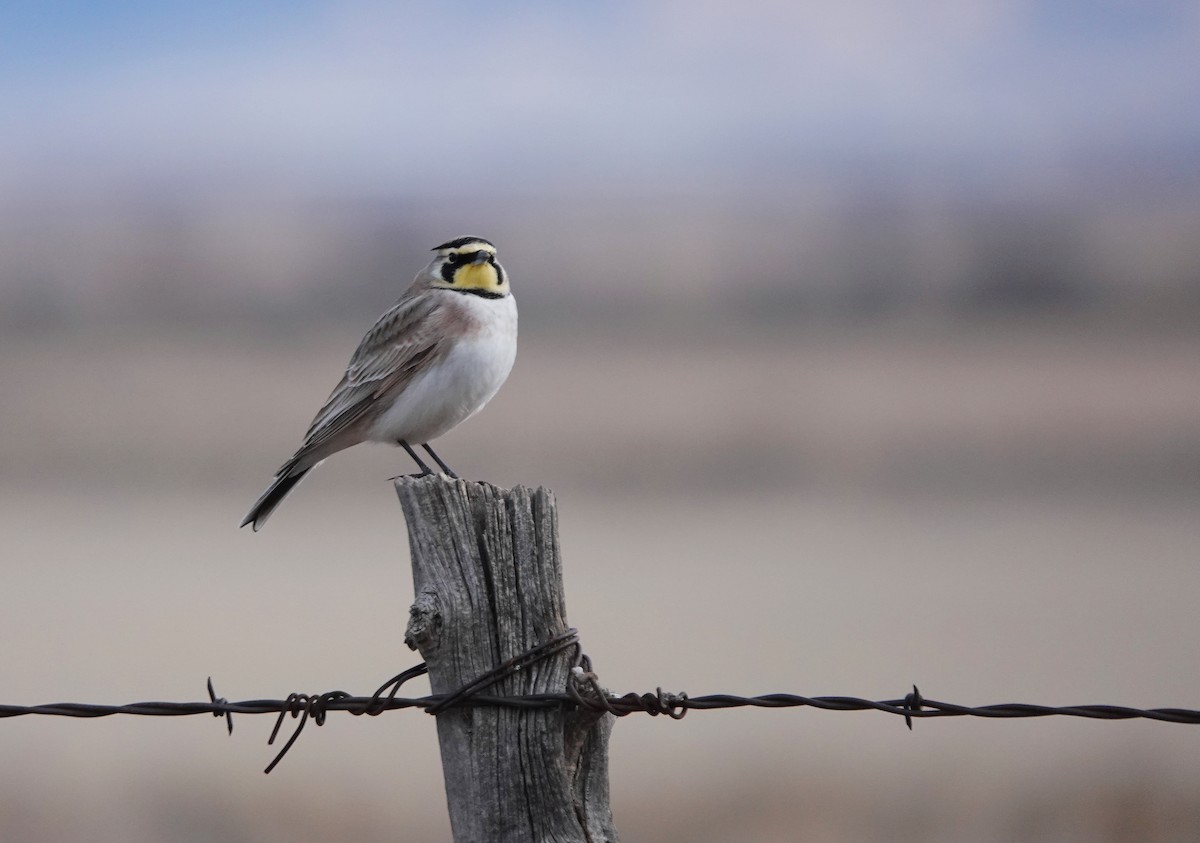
431 361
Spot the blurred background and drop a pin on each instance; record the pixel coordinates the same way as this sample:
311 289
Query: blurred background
859 341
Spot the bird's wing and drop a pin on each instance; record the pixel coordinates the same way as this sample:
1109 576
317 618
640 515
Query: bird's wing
406 339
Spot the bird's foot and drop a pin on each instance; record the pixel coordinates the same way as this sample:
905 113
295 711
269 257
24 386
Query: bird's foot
416 476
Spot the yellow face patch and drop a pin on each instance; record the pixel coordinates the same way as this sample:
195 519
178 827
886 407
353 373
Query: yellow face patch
477 276
481 279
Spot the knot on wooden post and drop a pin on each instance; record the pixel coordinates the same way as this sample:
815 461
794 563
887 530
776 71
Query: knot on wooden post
488 578
424 623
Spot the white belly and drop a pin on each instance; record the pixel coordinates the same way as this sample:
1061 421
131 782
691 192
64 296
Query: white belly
460 384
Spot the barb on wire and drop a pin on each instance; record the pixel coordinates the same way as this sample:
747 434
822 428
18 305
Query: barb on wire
913 703
583 691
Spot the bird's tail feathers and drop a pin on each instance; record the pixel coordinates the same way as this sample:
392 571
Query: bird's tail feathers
273 496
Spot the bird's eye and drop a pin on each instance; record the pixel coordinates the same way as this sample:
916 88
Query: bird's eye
452 259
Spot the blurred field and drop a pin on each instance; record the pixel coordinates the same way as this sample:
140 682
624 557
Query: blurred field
984 406
996 511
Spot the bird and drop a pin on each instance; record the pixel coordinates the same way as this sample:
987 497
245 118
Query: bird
431 361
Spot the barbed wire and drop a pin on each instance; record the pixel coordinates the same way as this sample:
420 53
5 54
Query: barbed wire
583 692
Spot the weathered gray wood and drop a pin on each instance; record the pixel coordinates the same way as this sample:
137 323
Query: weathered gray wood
488 582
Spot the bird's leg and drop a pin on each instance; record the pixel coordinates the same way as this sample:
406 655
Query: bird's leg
449 471
425 470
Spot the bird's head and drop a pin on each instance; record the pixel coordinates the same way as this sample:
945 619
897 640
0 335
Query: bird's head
468 265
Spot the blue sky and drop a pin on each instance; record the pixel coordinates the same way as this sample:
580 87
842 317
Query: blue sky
668 94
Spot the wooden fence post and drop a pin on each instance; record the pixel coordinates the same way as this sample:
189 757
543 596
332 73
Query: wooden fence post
488 582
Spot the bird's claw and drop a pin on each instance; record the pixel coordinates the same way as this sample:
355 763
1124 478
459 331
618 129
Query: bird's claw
416 476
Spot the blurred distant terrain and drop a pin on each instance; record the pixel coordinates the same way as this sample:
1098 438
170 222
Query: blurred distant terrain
861 251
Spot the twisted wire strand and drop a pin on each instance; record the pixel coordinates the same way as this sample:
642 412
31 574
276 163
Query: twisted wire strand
627 704
583 691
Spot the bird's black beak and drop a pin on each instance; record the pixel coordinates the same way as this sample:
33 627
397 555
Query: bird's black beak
482 256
